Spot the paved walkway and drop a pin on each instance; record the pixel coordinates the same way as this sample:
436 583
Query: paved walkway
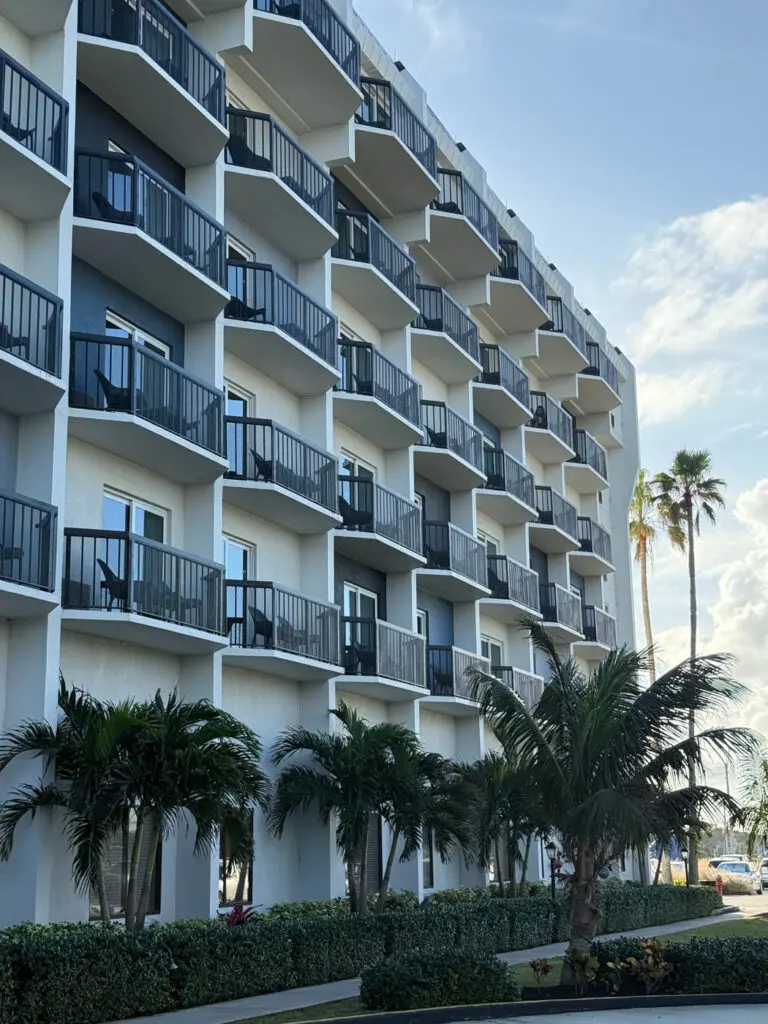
292 999
689 1014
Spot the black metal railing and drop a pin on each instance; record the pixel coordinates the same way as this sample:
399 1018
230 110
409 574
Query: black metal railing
529 686
264 452
516 265
439 312
257 141
115 571
560 605
363 240
589 452
384 107
27 541
562 321
458 196
366 371
599 626
325 25
448 671
264 616
152 27
500 369
444 428
122 189
511 581
507 474
554 510
593 538
448 547
32 114
367 507
30 322
601 365
261 295
116 375
375 648
548 415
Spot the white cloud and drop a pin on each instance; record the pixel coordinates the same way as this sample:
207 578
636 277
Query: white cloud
663 397
445 30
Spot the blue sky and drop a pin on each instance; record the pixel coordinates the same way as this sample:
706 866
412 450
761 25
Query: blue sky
629 135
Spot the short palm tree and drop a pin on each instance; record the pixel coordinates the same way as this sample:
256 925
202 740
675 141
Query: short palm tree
754 792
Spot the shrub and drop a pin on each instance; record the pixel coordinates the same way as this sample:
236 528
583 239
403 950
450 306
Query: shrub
445 978
308 908
628 907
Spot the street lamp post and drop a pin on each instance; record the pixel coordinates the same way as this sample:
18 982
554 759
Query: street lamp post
684 855
551 851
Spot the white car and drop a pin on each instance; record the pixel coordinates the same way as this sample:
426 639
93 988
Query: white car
738 869
764 870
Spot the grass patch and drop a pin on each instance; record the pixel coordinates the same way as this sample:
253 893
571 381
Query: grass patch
741 928
320 1011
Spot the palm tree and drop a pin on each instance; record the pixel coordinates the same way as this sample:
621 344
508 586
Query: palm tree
754 791
608 753
683 494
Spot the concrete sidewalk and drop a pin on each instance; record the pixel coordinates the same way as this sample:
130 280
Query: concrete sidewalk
292 999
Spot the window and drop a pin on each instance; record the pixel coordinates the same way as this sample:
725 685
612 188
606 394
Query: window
491 544
116 866
236 865
351 465
493 650
360 611
421 502
238 402
239 564
373 857
234 101
112 147
117 327
131 516
422 623
238 251
428 860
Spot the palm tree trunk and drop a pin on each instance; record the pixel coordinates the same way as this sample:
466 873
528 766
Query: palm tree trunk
386 877
102 891
497 855
362 893
658 866
524 868
643 545
666 868
133 870
693 854
584 912
149 870
354 904
512 852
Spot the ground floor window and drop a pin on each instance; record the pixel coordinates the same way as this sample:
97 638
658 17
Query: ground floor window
235 867
428 860
116 868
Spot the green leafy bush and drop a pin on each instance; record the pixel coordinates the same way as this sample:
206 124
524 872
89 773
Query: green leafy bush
628 907
444 978
308 908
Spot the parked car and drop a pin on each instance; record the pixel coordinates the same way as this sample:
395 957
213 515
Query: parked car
738 869
763 869
730 858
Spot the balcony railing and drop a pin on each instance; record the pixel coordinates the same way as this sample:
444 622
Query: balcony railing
263 616
500 369
590 453
27 541
548 415
599 626
257 141
261 295
30 322
440 313
117 375
593 538
149 25
447 671
444 428
554 510
365 371
114 571
325 25
526 684
511 581
362 240
448 547
384 107
32 114
560 605
376 648
123 190
601 365
264 452
458 196
367 507
516 265
507 474
562 321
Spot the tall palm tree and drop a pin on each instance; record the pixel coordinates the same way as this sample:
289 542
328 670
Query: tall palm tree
754 791
609 755
684 494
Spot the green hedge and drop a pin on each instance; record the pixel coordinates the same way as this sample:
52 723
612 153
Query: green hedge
627 906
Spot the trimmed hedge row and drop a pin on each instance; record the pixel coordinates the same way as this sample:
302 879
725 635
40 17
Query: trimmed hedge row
85 974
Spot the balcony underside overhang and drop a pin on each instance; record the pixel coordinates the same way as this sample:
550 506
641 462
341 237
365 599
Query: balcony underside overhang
551 539
280 505
513 310
36 17
446 469
456 707
394 179
456 249
562 634
371 418
141 631
504 507
590 650
30 189
279 356
440 354
583 478
450 585
20 602
284 664
376 551
558 356
546 446
380 688
499 406
509 612
25 390
595 394
587 563
367 290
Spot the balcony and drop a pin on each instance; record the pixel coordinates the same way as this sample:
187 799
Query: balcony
273 326
451 455
561 611
598 382
306 61
501 391
587 471
372 272
444 337
529 686
30 346
376 398
514 590
133 226
119 586
562 341
278 476
594 555
599 635
464 234
508 493
35 17
140 59
549 434
27 556
456 569
382 661
450 689
556 530
138 406
277 188
33 144
274 631
518 292
379 528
